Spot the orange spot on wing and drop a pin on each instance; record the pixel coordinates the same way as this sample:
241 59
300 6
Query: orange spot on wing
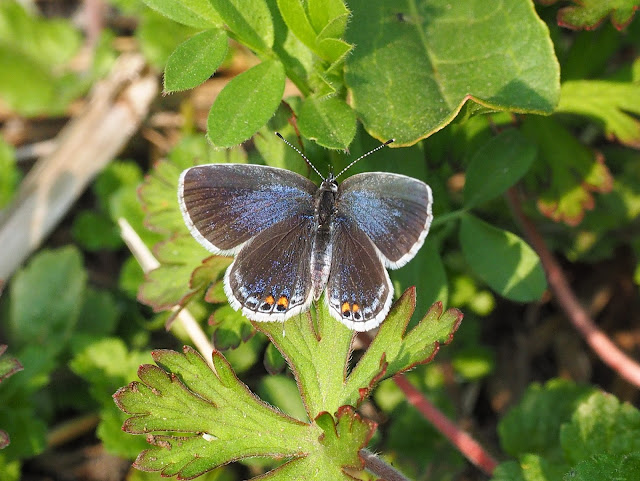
283 301
345 307
355 307
270 300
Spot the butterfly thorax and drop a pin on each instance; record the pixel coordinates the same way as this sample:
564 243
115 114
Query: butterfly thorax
324 213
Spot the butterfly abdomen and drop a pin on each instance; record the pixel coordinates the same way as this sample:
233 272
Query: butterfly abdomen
324 215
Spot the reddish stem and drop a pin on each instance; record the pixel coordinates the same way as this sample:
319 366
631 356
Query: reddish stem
597 339
468 446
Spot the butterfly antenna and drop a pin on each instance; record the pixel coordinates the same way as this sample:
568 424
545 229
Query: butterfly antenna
363 156
301 154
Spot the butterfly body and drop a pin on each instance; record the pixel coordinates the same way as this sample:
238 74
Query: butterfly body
294 241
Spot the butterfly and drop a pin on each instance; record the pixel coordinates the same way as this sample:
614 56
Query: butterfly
293 241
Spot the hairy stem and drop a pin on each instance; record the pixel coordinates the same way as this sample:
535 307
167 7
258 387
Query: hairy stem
597 339
377 466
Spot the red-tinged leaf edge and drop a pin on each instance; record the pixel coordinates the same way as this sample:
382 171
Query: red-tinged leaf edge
365 391
565 12
15 366
4 439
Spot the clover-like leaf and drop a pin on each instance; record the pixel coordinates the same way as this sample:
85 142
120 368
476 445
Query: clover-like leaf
246 103
567 171
215 420
195 60
413 70
318 357
249 22
611 103
518 275
328 121
194 13
588 14
601 424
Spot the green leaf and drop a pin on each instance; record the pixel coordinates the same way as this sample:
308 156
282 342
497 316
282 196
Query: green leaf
195 60
158 36
116 175
282 392
8 365
502 259
588 14
194 13
601 424
99 314
530 468
273 360
46 298
573 170
217 420
250 22
231 328
329 18
606 467
329 121
496 166
610 103
319 360
295 16
9 174
94 231
533 426
245 104
413 70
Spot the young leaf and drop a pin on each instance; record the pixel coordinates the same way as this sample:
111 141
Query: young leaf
329 18
502 259
250 22
574 171
295 16
496 166
588 14
318 359
425 70
329 121
194 13
611 103
195 60
601 424
217 420
246 103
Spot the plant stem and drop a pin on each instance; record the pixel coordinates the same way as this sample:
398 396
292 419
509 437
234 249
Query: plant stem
597 339
377 466
468 446
441 219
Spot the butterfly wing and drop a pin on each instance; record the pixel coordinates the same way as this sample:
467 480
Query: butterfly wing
359 291
270 278
393 210
225 205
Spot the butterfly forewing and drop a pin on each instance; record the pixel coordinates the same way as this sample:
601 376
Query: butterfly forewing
270 278
393 210
225 205
359 291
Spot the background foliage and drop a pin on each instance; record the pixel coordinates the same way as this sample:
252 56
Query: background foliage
537 101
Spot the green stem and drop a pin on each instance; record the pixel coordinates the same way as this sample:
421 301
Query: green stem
448 216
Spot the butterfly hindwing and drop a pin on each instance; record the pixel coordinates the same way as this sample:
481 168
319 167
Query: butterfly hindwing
359 291
225 205
269 278
393 210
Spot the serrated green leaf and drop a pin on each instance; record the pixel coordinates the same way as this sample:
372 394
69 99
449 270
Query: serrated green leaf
329 121
282 392
95 231
588 14
610 103
231 328
195 60
182 273
46 297
517 276
574 171
250 22
606 467
533 426
194 13
412 70
246 103
230 424
601 424
496 166
318 360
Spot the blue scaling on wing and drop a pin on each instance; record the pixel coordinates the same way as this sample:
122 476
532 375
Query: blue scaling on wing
225 205
393 210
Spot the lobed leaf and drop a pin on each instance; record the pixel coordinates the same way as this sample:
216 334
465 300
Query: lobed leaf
246 103
217 420
496 166
589 14
195 60
413 70
319 361
502 259
611 103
